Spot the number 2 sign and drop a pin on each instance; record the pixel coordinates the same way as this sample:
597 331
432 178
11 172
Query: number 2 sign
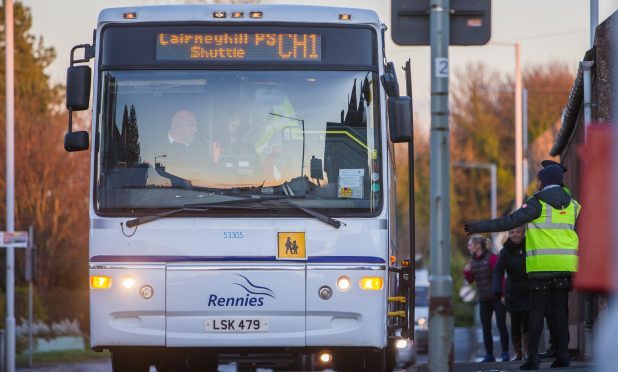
441 67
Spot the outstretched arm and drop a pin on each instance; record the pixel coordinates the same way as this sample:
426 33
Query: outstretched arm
530 211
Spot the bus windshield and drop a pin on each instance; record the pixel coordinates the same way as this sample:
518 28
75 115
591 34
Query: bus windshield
172 138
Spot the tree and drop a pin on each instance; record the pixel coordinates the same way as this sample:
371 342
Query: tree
130 137
483 130
51 186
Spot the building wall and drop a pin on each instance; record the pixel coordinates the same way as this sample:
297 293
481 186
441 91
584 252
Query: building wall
604 106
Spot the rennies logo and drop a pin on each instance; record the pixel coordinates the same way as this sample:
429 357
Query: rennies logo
254 296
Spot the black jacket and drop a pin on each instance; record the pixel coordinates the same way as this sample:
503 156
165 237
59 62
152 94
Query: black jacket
512 260
531 210
482 271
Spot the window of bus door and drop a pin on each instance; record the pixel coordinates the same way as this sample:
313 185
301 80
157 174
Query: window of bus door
172 138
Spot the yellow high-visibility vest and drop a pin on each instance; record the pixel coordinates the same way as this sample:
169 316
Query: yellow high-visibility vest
551 240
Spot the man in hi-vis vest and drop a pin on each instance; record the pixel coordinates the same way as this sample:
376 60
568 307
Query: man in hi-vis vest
551 257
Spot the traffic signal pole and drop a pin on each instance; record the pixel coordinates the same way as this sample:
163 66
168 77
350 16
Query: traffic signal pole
441 320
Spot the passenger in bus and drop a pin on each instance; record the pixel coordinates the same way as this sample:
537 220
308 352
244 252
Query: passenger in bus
276 134
231 152
230 141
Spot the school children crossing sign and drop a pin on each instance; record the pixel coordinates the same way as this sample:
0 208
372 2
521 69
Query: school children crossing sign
291 245
18 239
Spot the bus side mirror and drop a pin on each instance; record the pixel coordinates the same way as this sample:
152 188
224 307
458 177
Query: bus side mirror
400 119
389 80
78 87
76 141
78 96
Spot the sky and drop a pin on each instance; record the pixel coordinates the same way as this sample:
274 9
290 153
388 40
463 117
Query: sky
548 31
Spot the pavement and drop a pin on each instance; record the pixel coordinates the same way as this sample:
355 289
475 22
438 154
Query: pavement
576 366
105 366
467 344
469 350
94 366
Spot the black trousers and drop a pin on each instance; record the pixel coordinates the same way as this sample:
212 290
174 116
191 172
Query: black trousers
487 308
556 299
552 337
519 322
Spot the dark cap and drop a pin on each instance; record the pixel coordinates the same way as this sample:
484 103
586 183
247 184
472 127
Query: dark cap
547 163
551 175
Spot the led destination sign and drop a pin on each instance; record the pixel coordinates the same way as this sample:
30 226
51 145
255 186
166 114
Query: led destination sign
243 46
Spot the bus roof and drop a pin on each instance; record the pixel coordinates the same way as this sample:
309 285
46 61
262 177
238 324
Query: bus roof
270 13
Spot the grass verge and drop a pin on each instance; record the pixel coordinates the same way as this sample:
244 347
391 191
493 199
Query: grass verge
64 356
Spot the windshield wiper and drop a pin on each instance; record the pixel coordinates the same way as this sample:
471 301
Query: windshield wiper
244 199
263 199
317 215
145 219
187 208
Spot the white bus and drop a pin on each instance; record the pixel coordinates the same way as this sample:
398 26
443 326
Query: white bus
242 198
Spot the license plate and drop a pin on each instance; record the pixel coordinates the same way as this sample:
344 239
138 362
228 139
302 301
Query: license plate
236 325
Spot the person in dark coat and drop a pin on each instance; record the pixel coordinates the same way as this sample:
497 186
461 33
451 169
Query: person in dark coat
551 351
480 269
512 260
550 279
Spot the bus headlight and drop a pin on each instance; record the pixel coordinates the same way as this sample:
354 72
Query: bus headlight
128 283
100 282
343 283
325 357
401 343
371 283
421 321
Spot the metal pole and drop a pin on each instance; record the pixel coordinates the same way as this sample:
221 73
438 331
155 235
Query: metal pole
586 66
10 186
519 194
594 19
2 350
441 320
158 156
411 294
302 122
588 321
494 191
526 178
30 258
494 198
302 160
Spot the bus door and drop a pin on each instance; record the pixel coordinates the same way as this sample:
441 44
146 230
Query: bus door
235 304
